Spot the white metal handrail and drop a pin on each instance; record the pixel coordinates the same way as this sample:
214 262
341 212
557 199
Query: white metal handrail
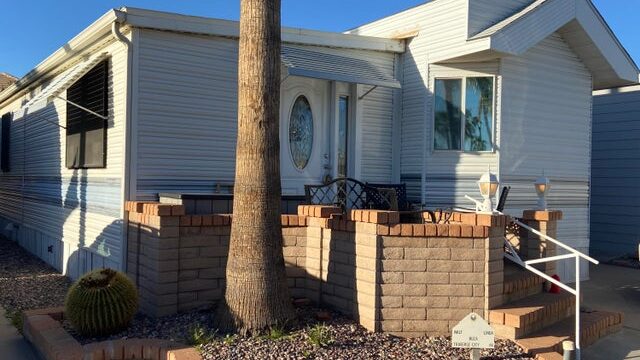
513 256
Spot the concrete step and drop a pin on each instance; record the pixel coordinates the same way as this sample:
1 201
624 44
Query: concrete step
546 344
520 283
525 316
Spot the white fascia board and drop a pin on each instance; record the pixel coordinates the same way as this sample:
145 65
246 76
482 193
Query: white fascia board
620 90
227 28
99 29
534 27
606 41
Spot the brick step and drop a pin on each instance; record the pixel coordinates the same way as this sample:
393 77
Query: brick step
546 344
519 318
520 283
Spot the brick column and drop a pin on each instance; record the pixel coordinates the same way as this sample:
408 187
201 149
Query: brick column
537 247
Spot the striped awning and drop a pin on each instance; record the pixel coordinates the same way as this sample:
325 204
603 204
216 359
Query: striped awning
314 64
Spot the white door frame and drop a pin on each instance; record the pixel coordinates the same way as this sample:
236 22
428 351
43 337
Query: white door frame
317 93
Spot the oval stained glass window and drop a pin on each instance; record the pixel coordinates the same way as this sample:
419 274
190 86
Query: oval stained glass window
301 132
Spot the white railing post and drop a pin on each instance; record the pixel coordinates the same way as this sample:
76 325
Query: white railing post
577 339
513 256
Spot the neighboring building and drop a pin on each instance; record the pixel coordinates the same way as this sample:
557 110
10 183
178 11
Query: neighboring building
359 104
6 80
615 174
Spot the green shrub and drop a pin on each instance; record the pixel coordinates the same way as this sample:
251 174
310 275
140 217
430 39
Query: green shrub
320 335
102 302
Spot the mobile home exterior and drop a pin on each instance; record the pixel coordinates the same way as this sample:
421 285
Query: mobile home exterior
616 167
432 104
544 66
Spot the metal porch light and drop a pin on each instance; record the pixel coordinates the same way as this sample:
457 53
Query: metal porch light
488 185
542 186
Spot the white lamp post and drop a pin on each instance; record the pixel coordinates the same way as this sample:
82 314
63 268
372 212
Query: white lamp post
488 185
542 185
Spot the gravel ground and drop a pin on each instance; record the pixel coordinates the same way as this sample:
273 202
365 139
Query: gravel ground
346 339
26 282
174 327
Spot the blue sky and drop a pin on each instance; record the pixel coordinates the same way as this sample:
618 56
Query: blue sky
30 30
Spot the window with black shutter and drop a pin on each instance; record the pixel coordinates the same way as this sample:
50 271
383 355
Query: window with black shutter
5 136
86 132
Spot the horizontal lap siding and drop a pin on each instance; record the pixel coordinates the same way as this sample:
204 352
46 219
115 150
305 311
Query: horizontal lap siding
442 29
377 131
615 199
450 175
485 13
547 127
187 112
75 212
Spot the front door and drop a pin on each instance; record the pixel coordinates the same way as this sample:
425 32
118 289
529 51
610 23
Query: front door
305 146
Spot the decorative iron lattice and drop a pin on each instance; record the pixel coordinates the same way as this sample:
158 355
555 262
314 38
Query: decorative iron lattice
347 194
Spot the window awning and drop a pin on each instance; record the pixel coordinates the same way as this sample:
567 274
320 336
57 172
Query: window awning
313 64
60 83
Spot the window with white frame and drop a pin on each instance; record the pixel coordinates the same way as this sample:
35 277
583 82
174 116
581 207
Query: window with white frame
463 111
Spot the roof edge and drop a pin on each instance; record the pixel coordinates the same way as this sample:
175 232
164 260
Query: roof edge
72 48
151 19
167 21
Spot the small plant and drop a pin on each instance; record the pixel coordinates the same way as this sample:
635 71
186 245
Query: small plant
320 335
102 302
198 335
276 333
229 339
16 319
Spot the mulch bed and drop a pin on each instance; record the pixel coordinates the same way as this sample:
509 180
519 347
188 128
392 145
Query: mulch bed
27 282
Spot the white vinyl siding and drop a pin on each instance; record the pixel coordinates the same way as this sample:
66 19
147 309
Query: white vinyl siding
450 175
547 127
441 27
75 212
542 113
485 13
186 118
186 113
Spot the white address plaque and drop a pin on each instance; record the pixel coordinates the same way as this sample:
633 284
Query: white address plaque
473 332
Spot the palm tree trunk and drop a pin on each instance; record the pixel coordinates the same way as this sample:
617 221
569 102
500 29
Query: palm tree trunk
256 294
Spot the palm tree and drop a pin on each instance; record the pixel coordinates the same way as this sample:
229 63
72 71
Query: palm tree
256 294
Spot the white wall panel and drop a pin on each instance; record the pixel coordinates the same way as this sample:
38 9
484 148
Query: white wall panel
187 113
547 127
52 206
485 13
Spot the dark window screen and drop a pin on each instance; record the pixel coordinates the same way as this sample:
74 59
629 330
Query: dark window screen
87 133
5 137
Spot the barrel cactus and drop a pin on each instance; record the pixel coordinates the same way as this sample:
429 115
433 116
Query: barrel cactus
102 302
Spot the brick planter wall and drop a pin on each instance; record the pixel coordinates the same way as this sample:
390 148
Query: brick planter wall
44 330
408 279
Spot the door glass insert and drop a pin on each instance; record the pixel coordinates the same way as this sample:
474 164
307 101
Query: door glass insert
301 132
343 129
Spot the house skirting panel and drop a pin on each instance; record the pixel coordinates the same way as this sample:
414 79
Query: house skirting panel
65 257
